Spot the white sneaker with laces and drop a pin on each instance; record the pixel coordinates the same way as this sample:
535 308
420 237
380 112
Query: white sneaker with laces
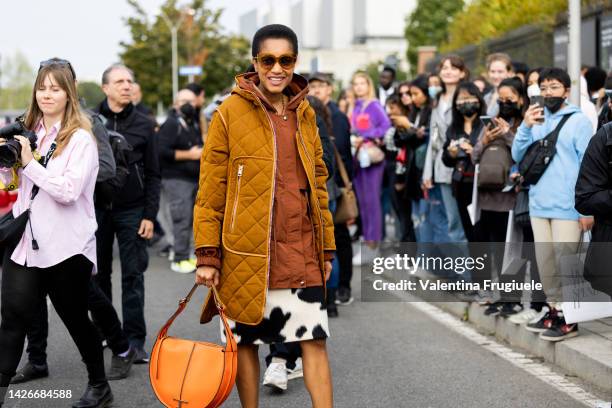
523 317
182 267
539 315
276 376
297 372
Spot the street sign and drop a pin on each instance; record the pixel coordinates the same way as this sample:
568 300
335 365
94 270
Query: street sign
188 70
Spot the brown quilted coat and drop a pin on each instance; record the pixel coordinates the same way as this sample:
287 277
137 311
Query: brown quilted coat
233 207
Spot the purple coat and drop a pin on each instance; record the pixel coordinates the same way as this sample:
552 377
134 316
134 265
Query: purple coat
371 122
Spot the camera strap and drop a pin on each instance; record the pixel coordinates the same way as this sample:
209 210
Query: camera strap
43 161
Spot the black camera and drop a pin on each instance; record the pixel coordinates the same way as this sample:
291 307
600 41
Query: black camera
10 152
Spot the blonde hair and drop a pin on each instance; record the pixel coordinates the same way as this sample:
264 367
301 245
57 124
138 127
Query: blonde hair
371 92
73 119
501 57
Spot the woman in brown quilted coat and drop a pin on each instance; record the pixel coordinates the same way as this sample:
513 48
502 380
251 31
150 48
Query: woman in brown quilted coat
263 232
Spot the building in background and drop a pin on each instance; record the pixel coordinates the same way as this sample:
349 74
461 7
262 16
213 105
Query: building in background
339 36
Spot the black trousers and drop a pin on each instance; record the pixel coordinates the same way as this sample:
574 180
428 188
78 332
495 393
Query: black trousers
103 314
134 261
24 290
344 254
288 351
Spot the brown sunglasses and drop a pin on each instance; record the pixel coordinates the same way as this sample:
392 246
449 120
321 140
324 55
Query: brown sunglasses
268 61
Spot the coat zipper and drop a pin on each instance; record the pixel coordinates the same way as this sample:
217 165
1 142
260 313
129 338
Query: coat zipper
138 175
238 182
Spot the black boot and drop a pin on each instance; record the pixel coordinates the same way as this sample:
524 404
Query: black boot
332 309
4 383
95 396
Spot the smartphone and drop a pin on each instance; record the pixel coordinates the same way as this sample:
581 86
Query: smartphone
608 93
487 120
539 100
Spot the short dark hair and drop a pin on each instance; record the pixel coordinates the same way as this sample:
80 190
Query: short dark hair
596 79
273 31
549 74
194 87
520 67
389 69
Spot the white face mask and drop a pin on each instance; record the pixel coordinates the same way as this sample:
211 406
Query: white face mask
533 90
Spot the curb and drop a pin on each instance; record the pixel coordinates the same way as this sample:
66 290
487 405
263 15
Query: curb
587 356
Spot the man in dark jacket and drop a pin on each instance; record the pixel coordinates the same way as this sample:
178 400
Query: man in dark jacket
594 197
134 207
180 148
321 87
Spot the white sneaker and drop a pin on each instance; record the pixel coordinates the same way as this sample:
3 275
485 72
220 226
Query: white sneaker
357 256
183 267
171 255
539 315
297 372
523 317
276 376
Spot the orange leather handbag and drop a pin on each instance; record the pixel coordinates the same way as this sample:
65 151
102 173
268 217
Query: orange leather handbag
193 374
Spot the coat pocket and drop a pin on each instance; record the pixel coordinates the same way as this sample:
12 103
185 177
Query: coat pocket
247 213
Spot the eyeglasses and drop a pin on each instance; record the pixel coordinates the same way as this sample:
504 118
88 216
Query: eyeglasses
59 62
554 88
268 61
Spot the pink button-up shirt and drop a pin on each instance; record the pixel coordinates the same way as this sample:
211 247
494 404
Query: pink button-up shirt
63 217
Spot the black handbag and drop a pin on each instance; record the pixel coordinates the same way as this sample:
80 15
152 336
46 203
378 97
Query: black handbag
540 154
11 228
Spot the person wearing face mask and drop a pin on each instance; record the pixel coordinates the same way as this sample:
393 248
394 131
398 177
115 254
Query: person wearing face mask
551 199
499 67
494 146
434 86
533 89
437 177
180 148
461 137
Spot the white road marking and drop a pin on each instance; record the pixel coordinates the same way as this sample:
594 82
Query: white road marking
520 360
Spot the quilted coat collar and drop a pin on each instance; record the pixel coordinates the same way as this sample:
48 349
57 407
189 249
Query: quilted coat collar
246 87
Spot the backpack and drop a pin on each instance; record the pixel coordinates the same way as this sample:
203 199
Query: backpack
108 187
540 154
495 164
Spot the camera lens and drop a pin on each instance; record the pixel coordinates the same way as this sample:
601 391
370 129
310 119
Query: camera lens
9 153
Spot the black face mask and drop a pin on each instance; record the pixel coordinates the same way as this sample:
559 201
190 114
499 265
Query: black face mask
188 111
469 109
553 103
508 110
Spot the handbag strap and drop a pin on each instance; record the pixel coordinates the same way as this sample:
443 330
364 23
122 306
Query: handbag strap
554 135
230 344
343 174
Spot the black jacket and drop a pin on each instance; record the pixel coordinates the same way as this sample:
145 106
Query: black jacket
464 168
328 148
177 134
342 138
143 185
594 197
407 138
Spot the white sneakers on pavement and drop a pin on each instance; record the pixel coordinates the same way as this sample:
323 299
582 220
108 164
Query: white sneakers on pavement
524 316
277 374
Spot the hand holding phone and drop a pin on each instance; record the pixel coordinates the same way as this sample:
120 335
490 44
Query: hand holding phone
487 120
538 100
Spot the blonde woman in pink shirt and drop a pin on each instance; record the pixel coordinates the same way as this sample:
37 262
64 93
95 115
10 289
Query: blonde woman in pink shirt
56 255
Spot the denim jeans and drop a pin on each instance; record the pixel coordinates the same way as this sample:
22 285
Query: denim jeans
134 261
455 228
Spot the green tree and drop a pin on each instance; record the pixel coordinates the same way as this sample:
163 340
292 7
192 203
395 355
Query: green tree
91 92
428 24
17 82
200 42
487 19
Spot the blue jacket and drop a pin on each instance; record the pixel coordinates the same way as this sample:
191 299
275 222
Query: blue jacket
553 195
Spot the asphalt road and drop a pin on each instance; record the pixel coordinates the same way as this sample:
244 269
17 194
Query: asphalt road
382 355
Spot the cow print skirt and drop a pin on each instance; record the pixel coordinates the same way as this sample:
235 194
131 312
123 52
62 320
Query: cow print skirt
289 315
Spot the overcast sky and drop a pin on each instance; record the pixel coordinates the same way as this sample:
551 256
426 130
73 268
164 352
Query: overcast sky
86 32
